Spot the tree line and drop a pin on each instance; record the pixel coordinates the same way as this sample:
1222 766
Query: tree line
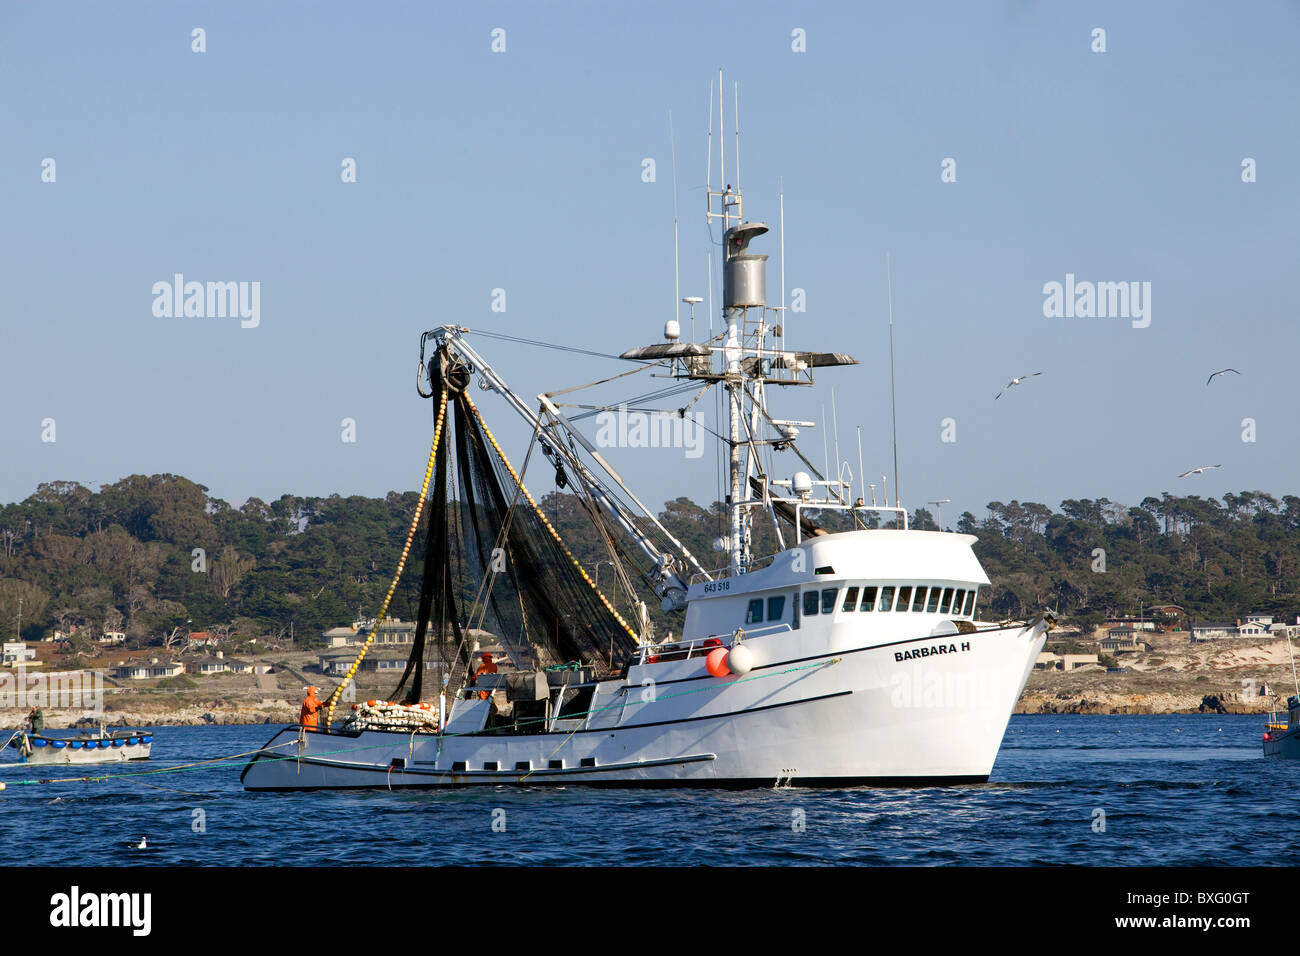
155 556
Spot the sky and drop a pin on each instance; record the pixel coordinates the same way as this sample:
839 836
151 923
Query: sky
523 169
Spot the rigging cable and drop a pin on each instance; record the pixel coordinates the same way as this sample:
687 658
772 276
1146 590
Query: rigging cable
549 345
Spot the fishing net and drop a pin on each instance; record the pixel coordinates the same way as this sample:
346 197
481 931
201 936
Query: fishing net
492 562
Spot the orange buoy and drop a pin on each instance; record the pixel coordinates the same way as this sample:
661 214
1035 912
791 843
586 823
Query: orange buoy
716 662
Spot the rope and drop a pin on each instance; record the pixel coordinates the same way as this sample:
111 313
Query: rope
401 564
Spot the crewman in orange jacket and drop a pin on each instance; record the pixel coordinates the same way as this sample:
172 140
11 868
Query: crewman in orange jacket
486 666
310 706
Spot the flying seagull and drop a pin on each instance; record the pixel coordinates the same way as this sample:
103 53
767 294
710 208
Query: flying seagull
1224 371
1198 471
1014 381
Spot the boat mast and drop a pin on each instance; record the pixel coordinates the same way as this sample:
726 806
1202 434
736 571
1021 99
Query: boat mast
744 287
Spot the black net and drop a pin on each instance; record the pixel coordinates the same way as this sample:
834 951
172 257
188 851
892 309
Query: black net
492 563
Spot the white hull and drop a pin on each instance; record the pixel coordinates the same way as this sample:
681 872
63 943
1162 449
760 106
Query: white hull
810 715
67 755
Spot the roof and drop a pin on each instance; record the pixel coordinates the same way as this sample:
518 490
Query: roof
877 555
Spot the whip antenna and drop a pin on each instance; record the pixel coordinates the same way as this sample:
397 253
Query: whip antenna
893 407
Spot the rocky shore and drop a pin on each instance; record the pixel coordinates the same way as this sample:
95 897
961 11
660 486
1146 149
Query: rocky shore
1101 702
127 713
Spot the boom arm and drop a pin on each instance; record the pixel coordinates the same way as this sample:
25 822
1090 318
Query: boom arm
668 585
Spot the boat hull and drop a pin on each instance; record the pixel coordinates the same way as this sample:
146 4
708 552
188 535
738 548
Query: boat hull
49 754
1286 746
923 711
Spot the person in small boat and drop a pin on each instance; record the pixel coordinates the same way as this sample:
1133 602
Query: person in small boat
36 720
310 706
486 666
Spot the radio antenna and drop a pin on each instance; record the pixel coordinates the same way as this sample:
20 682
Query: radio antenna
677 271
722 149
708 172
860 471
736 101
785 320
893 406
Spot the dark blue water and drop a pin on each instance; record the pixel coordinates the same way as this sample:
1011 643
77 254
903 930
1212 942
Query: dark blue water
1174 790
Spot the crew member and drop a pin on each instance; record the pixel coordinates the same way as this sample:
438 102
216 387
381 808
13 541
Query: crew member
36 720
486 666
310 706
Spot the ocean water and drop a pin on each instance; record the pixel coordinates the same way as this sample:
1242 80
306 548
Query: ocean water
1086 790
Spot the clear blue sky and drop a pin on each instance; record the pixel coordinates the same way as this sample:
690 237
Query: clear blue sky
522 170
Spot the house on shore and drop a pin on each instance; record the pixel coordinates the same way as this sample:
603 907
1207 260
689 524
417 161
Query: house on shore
336 662
147 670
1064 662
1122 640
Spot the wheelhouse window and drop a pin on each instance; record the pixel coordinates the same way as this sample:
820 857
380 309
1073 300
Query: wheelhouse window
755 613
850 600
811 602
776 608
828 600
918 604
934 601
869 599
970 603
904 598
958 600
886 598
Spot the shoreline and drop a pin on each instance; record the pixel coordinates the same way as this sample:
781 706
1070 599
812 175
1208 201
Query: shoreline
1032 703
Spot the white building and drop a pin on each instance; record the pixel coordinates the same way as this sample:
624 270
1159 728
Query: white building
17 653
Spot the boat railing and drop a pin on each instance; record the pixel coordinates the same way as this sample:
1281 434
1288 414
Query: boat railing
756 564
700 646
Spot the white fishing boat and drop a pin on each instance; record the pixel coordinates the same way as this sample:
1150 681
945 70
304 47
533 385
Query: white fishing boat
850 655
99 747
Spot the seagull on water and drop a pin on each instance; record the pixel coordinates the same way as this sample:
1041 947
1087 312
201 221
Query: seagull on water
141 844
1198 471
1014 381
1221 372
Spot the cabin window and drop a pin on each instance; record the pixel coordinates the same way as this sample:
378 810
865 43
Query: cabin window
934 601
776 608
828 600
811 600
958 601
886 598
946 601
919 603
970 603
904 599
850 600
755 613
868 599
